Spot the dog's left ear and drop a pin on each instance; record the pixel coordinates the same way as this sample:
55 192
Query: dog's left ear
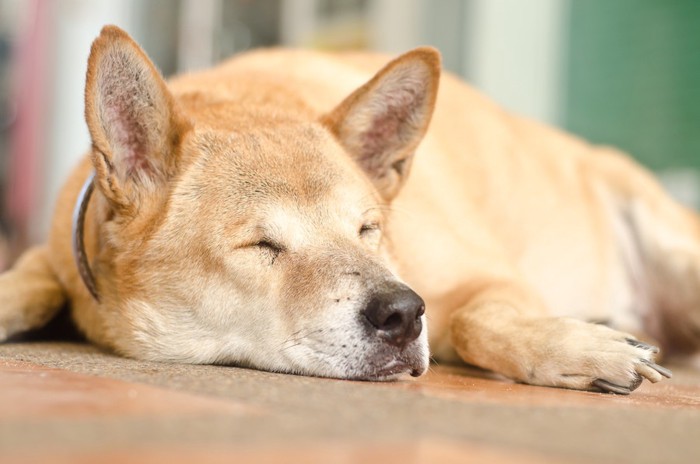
382 122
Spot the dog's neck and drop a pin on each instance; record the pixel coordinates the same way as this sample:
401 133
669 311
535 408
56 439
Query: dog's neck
78 226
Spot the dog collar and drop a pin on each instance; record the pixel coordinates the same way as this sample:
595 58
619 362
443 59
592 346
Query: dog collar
78 225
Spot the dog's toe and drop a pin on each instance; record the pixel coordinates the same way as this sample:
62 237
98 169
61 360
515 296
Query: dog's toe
645 346
660 369
609 387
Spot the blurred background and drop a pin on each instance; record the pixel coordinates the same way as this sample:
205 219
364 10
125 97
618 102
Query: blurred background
622 72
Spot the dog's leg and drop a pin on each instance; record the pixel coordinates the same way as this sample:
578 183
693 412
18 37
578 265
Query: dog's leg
503 328
668 241
30 294
664 261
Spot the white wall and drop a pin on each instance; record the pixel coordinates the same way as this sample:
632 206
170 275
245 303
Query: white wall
397 25
514 54
512 50
76 24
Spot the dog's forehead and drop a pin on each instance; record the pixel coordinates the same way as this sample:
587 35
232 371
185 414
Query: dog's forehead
301 165
298 161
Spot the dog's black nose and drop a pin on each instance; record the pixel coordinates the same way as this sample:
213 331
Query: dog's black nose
395 314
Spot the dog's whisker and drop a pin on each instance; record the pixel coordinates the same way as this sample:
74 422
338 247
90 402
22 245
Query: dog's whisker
297 338
290 347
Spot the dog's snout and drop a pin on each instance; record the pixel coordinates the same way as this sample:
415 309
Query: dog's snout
396 315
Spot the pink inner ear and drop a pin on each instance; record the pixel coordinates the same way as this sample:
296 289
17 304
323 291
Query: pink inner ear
127 114
128 137
395 119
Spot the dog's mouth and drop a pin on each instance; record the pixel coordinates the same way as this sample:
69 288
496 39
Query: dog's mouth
395 370
377 363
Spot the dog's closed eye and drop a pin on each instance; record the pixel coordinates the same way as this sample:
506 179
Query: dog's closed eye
369 228
269 247
370 233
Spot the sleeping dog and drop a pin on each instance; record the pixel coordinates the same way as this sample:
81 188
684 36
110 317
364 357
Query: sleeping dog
314 213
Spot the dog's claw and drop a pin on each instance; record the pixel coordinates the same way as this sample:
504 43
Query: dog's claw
607 387
660 369
637 382
644 346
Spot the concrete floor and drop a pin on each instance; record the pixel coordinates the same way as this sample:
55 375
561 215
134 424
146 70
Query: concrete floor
69 402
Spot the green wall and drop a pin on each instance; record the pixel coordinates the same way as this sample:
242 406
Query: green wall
634 78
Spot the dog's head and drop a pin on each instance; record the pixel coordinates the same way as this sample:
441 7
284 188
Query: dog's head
255 244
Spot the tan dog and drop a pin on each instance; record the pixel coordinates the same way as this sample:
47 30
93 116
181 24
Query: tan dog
238 218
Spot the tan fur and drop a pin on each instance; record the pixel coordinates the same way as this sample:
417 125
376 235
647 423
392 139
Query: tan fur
240 218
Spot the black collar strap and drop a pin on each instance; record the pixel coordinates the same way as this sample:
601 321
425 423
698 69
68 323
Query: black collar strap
78 225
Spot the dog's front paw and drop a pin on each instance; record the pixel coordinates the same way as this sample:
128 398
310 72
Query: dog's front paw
592 357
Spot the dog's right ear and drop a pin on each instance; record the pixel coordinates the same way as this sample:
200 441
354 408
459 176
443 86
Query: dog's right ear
133 122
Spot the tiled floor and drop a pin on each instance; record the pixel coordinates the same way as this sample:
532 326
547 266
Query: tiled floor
72 403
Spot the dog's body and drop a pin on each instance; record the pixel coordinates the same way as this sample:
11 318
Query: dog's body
239 218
